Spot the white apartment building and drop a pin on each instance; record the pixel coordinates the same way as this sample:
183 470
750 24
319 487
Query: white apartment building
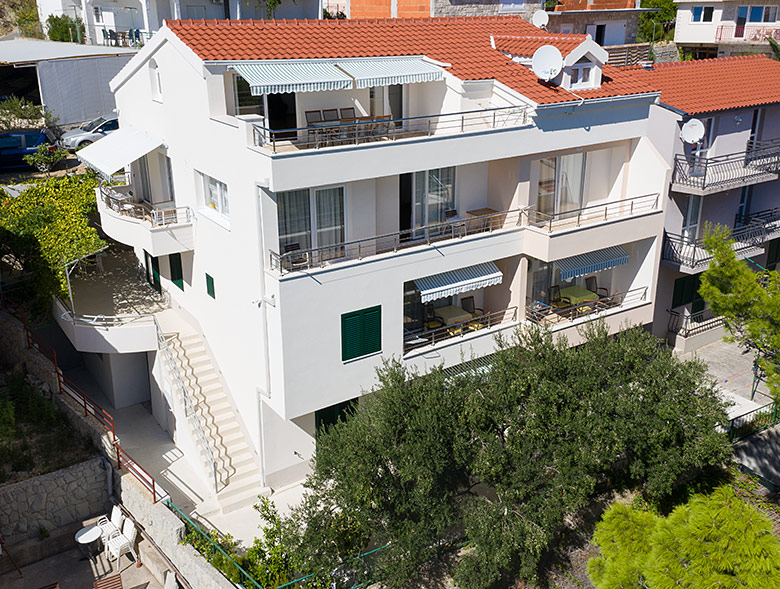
725 28
729 178
318 197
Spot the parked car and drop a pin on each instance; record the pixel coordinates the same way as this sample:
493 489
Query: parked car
89 132
17 144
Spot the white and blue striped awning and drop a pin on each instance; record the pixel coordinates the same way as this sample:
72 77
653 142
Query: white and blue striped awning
457 281
386 71
276 77
592 262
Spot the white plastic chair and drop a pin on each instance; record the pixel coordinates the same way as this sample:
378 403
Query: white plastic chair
120 543
108 526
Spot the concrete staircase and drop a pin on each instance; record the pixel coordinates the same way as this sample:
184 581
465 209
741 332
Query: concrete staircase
238 477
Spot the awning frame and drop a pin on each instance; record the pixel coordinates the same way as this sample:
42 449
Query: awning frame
118 149
592 262
447 284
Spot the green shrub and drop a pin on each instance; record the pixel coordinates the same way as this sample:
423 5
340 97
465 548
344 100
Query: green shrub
45 157
65 28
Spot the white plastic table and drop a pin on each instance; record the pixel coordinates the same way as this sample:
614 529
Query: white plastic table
88 538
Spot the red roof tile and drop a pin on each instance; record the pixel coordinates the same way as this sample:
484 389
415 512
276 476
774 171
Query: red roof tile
710 85
527 44
462 42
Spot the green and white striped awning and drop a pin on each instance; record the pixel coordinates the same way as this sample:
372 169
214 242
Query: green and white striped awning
276 77
457 281
386 71
592 262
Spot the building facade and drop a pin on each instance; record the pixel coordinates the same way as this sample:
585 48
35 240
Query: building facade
725 29
314 204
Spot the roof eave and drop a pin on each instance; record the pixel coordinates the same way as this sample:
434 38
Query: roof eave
549 108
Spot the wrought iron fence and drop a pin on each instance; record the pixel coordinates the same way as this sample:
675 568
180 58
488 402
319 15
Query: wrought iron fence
594 213
298 259
693 254
432 337
693 324
372 129
753 422
757 162
549 315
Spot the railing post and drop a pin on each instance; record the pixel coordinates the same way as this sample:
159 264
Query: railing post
462 122
494 119
429 127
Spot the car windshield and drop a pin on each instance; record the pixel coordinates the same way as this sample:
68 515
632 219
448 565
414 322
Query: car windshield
90 126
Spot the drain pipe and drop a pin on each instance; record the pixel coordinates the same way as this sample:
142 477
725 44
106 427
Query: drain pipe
109 478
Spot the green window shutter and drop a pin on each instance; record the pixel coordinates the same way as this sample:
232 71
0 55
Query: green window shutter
773 254
686 290
361 333
679 292
177 277
210 286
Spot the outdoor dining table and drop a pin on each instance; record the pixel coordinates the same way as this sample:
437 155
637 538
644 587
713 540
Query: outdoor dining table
88 539
452 314
577 294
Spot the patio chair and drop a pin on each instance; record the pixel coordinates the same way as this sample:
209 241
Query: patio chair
556 300
105 36
430 319
313 118
365 128
467 304
347 113
108 526
347 131
330 115
122 543
592 286
112 38
295 261
382 126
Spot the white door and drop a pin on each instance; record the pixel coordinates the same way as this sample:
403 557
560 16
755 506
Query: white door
691 211
615 33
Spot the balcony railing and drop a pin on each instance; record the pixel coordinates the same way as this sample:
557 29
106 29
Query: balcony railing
768 218
392 242
692 253
549 316
459 329
758 163
742 33
124 204
594 213
363 131
693 324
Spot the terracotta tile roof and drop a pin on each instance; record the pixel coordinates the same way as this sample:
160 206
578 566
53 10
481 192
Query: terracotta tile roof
462 42
710 85
527 44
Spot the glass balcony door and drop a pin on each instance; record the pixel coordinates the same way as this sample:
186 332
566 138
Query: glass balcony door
311 219
433 196
561 184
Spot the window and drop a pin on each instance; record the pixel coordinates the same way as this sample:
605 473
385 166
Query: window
177 276
98 12
361 333
702 13
581 74
743 209
210 286
433 196
246 103
312 218
770 13
166 162
756 123
215 195
11 142
756 14
111 125
155 81
686 290
561 183
691 211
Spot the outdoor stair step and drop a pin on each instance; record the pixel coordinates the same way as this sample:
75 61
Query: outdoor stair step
233 498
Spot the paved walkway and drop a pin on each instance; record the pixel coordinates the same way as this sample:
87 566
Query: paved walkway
761 454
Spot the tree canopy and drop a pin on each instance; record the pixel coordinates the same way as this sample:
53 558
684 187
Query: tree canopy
714 540
748 302
500 455
660 24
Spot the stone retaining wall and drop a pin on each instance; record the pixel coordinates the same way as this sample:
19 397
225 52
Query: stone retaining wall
53 500
666 53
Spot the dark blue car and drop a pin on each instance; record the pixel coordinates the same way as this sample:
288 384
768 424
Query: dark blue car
17 144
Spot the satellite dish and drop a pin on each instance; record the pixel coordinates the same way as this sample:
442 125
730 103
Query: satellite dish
547 62
692 131
540 19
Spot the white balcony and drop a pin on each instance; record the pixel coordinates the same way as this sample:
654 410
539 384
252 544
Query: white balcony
159 231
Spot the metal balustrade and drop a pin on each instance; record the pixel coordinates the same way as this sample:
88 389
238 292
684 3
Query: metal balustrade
361 132
594 213
692 253
759 162
432 337
549 316
122 204
747 32
693 324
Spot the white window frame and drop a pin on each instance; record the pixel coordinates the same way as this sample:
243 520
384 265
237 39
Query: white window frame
97 12
690 230
701 20
155 81
314 228
221 205
585 75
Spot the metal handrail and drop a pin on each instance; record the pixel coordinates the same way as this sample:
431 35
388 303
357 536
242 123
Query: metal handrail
693 324
140 473
593 213
545 314
753 421
750 32
392 242
358 132
433 336
155 216
695 171
767 217
692 253
173 371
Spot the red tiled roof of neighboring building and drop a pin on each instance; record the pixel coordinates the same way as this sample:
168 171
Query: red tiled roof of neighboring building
710 85
462 42
527 44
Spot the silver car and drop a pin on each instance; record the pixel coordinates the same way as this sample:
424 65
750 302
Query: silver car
89 132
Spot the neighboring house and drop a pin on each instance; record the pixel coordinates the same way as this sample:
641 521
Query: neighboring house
730 178
102 17
724 29
70 80
454 197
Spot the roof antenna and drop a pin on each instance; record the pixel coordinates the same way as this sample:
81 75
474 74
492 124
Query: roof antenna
547 62
540 19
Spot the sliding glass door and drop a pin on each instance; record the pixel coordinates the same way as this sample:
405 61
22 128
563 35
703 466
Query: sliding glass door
561 184
434 195
311 219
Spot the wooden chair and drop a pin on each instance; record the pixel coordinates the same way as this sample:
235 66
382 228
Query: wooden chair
347 113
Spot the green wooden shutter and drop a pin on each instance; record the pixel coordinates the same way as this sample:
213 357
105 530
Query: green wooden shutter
679 292
177 276
686 290
773 254
361 333
210 286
